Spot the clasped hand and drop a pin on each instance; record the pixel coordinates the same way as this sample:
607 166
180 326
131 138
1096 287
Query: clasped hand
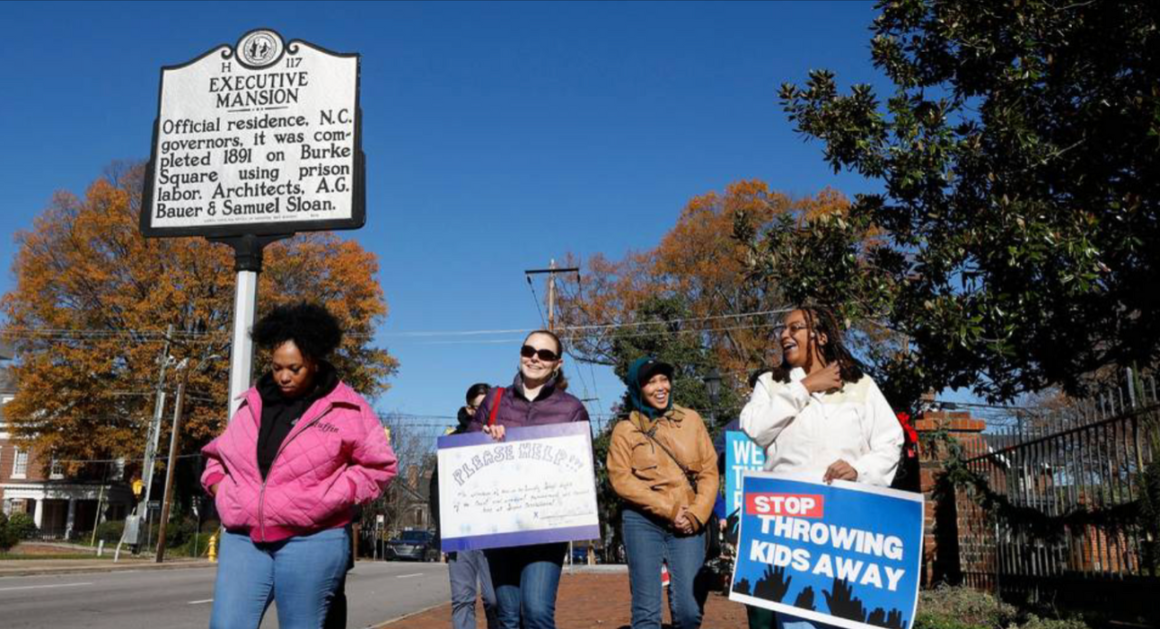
685 523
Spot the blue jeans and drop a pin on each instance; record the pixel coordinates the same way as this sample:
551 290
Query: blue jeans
648 543
526 579
300 574
466 567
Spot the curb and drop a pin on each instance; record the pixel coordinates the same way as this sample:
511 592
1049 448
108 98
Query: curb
601 568
387 623
112 567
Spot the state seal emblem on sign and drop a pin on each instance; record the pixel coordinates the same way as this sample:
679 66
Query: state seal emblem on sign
259 48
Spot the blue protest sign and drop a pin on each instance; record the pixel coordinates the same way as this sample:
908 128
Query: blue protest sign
741 455
846 554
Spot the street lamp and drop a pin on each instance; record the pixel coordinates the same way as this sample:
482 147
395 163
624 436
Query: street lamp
713 387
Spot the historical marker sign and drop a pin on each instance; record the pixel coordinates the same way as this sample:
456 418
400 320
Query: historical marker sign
261 138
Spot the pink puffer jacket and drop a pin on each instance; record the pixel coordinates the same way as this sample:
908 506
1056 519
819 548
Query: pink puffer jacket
336 456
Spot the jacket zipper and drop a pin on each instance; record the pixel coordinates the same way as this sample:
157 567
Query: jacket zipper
262 492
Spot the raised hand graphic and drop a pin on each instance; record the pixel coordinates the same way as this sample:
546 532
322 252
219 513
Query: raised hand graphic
742 586
880 618
774 584
805 599
842 602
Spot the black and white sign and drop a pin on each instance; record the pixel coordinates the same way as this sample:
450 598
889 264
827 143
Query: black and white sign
260 138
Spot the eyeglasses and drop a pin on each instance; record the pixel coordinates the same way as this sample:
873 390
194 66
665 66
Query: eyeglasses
793 329
546 355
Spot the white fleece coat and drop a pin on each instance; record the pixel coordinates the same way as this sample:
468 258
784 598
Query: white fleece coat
804 433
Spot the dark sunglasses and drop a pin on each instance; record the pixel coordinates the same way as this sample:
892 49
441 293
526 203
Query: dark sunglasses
546 355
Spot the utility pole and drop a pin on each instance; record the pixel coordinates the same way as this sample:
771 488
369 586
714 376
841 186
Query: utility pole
132 533
171 465
551 271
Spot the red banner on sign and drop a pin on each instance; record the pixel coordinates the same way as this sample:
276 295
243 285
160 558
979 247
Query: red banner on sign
788 505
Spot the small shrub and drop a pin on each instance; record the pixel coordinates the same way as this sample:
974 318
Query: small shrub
22 525
110 531
8 538
187 549
962 608
1035 622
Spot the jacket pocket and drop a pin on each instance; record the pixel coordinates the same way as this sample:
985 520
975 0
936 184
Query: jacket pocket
644 461
228 508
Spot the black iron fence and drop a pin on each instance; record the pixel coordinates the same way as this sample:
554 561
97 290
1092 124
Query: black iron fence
1065 517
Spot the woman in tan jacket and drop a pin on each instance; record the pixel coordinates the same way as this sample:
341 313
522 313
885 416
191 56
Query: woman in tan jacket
662 463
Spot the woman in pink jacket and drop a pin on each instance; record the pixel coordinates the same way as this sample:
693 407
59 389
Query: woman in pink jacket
302 449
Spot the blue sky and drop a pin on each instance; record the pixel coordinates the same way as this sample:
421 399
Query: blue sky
498 136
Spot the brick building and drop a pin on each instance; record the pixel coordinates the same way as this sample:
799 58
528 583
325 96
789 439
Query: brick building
61 506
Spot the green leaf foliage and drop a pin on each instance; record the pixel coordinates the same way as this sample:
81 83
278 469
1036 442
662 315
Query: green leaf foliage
1016 235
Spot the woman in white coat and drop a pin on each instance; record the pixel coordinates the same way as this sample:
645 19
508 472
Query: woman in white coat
819 415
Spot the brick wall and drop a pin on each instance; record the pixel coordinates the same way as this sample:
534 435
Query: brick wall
946 518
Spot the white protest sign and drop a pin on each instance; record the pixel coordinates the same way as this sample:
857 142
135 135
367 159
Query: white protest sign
537 486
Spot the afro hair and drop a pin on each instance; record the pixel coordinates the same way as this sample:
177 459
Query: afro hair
312 328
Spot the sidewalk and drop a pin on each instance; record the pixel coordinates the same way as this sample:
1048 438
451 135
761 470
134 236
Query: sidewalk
586 600
28 567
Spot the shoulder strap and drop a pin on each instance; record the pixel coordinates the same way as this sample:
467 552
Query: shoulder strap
494 406
651 434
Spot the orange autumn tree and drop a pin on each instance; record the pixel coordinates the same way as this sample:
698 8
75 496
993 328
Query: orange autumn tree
92 300
700 262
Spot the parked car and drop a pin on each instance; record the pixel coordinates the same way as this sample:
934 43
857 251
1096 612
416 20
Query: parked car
412 546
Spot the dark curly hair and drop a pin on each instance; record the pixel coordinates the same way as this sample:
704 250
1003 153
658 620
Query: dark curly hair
312 328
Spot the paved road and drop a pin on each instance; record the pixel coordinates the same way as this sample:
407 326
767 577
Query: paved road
181 598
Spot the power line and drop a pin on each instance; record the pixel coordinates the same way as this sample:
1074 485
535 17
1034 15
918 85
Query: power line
576 328
536 299
153 335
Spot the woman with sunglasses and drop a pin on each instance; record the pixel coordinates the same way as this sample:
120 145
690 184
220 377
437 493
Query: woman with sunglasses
526 577
819 414
661 461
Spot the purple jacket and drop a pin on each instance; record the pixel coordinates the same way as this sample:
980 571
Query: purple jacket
336 456
551 406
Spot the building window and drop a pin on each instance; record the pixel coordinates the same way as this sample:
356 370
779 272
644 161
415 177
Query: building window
56 472
20 466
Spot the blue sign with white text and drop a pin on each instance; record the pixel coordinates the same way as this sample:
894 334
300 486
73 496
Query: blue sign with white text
741 455
846 554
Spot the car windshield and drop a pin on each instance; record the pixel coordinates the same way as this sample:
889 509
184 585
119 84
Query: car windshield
414 536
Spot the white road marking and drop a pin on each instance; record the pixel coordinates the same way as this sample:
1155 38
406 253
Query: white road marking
208 600
408 576
38 587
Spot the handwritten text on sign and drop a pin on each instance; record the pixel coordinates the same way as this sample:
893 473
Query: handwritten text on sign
536 486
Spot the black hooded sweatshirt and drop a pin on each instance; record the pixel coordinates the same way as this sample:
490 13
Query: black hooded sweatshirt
280 414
